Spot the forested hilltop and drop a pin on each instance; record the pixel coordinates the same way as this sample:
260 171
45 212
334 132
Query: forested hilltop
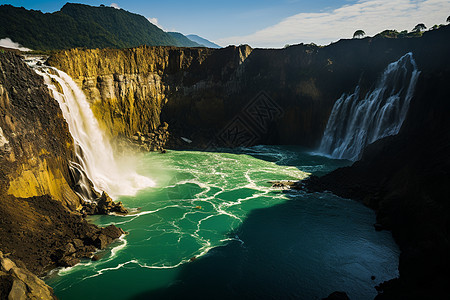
78 25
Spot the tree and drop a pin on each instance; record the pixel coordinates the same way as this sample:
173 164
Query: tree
359 34
448 19
419 27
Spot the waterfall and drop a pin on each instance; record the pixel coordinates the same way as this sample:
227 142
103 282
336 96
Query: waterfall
94 154
357 121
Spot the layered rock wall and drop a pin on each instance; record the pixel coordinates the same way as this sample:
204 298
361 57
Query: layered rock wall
40 226
268 96
35 143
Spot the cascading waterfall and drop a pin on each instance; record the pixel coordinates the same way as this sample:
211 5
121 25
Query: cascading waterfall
94 153
355 122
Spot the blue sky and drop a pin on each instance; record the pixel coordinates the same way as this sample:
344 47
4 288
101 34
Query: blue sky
272 23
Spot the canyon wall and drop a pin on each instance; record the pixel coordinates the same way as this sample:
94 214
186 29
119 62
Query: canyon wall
40 226
235 96
36 145
405 179
240 96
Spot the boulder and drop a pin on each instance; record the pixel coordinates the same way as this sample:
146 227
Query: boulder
68 261
78 243
102 241
95 257
18 291
33 287
112 231
69 249
106 205
7 264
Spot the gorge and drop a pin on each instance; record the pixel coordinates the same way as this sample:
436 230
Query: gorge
207 96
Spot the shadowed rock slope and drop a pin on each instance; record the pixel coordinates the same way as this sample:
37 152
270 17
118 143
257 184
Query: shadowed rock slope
405 179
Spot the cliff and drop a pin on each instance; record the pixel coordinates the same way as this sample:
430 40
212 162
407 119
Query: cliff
235 96
39 223
405 179
36 145
238 96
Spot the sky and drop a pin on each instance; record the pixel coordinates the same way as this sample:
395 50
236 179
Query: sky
273 23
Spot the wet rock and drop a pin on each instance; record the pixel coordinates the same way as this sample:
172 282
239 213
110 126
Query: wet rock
106 205
89 208
102 241
283 184
112 231
95 258
68 261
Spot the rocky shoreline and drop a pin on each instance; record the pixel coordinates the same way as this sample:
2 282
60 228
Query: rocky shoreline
16 282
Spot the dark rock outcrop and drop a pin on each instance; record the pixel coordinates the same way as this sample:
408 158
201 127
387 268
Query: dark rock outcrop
405 179
103 205
337 296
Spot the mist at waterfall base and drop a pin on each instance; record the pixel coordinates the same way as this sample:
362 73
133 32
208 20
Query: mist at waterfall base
357 120
95 159
249 240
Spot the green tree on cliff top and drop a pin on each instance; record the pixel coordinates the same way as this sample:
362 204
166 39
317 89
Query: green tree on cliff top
359 34
419 27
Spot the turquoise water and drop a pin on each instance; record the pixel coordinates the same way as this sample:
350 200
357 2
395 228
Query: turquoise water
214 228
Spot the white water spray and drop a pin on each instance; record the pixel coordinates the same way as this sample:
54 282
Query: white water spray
354 122
94 152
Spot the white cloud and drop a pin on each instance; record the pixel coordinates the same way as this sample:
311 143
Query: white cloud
372 16
154 21
8 43
115 5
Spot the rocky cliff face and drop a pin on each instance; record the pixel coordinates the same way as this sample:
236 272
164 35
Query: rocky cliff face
35 142
239 96
39 222
405 179
126 87
236 96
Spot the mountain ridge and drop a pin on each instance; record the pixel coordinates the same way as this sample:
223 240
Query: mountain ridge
202 41
80 25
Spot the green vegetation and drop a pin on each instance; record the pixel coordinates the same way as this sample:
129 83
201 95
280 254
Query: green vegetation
401 34
419 27
359 34
77 25
183 41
